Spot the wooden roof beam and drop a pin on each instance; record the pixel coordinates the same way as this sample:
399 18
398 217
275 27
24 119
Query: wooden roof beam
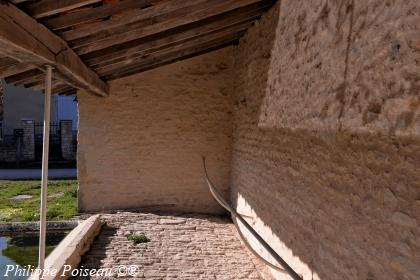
27 41
158 9
174 19
169 55
18 1
95 13
45 8
36 81
14 69
135 58
20 78
167 37
155 62
40 85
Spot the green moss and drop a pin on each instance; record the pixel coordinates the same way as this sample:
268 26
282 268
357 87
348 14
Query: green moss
62 200
138 238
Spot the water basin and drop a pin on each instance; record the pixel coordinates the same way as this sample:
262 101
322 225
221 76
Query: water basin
22 250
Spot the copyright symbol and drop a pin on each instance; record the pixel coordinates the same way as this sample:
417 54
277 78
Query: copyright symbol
121 271
133 270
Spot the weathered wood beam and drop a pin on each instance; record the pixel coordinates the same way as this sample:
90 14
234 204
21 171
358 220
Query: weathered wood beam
28 75
45 8
173 54
129 17
23 76
218 35
40 85
143 28
57 85
13 69
18 1
32 80
95 13
165 61
182 33
6 61
226 34
27 41
10 67
64 90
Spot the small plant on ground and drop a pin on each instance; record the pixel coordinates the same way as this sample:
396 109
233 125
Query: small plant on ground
138 238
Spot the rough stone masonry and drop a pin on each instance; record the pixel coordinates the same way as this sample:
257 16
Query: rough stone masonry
322 101
142 146
326 152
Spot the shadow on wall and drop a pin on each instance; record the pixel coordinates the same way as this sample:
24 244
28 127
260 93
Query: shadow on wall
349 205
332 181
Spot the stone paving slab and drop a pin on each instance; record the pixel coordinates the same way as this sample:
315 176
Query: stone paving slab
180 247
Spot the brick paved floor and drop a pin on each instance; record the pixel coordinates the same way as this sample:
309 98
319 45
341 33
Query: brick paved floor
180 247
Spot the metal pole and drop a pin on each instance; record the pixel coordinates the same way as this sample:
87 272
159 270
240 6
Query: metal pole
44 182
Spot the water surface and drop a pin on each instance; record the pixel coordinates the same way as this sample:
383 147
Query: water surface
22 250
4 261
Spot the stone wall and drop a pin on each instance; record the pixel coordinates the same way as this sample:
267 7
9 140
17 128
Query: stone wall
22 103
326 152
20 147
142 145
28 141
8 153
66 131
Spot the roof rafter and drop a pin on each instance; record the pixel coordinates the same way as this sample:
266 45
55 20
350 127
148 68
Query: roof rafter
14 68
158 24
172 36
227 34
135 15
92 41
156 61
95 13
25 40
45 8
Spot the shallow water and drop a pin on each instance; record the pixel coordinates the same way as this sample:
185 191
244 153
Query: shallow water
4 261
22 250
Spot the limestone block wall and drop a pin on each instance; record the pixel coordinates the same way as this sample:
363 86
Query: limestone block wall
142 145
326 148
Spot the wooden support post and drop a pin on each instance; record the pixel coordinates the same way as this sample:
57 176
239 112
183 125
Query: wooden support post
44 182
25 40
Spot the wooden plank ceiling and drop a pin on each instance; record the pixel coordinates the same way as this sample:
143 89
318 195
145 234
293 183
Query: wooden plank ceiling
117 38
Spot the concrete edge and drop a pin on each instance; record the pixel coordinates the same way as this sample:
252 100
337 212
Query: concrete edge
72 248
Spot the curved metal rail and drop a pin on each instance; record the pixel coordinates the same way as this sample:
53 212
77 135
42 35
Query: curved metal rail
218 197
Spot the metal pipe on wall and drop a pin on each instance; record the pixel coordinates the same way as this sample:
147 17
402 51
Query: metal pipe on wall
218 197
44 181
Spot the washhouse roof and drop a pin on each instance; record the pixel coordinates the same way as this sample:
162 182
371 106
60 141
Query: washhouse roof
91 42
